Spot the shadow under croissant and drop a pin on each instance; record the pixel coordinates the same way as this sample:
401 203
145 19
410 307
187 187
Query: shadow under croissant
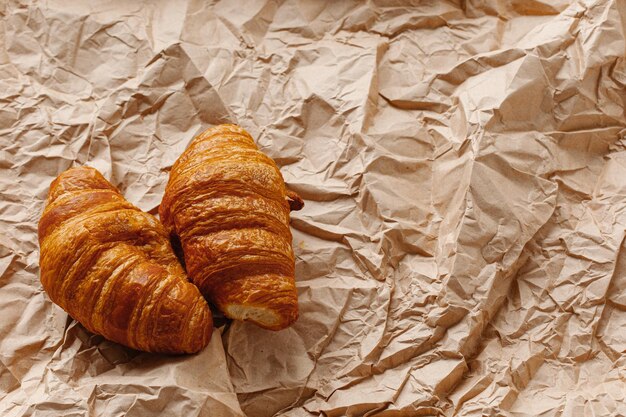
94 355
111 352
115 353
219 319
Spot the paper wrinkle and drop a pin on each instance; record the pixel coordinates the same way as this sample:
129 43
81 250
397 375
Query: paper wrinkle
462 249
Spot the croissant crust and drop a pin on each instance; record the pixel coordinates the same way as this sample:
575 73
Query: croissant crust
228 204
111 267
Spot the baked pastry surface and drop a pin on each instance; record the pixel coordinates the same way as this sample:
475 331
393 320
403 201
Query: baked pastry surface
111 267
228 204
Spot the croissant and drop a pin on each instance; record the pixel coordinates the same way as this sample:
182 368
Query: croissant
227 203
110 266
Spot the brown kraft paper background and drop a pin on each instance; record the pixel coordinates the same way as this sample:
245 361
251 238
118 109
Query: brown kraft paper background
461 251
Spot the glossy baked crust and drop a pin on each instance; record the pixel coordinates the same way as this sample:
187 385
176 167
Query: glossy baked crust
111 267
228 204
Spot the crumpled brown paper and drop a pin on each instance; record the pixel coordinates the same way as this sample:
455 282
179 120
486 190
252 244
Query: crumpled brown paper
461 252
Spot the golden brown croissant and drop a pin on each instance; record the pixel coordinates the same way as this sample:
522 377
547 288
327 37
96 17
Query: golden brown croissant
111 267
228 204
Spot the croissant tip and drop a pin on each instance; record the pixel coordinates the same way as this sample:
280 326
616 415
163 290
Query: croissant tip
295 201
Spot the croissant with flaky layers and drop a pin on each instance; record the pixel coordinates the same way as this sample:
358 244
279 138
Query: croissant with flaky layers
111 267
228 204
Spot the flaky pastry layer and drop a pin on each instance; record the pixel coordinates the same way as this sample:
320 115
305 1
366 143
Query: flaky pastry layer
228 204
110 266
